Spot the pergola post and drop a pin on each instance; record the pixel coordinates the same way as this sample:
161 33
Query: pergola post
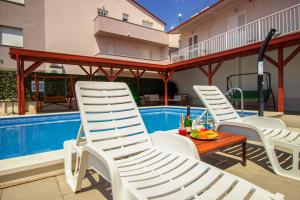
71 90
209 74
280 97
36 92
20 86
18 83
280 65
138 76
166 77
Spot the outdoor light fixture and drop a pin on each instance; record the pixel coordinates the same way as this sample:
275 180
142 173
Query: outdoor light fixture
180 17
260 71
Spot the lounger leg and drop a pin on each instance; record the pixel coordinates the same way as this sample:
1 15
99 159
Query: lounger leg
74 179
294 172
244 145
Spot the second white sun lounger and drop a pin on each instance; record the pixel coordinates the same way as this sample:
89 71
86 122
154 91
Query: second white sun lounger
114 142
271 131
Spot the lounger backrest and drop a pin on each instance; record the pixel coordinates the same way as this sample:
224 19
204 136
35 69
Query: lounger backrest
217 104
110 118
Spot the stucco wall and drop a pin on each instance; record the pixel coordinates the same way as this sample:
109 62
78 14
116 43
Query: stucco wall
131 48
117 7
218 24
29 17
186 79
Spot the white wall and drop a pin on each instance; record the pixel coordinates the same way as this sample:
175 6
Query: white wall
186 79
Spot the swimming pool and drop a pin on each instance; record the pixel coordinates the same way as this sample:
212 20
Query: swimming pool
20 136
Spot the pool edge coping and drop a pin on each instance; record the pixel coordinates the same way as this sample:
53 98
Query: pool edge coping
28 162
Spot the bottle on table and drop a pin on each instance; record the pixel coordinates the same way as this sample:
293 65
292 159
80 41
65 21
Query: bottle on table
188 120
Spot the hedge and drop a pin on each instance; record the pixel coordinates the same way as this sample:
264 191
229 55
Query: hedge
57 87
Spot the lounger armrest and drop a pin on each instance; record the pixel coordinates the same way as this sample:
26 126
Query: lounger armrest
248 130
264 122
105 165
172 141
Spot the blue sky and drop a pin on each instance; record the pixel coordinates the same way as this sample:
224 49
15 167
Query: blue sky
168 10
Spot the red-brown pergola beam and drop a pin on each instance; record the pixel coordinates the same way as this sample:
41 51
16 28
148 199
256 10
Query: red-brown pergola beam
291 56
115 76
271 60
111 76
32 67
210 72
87 73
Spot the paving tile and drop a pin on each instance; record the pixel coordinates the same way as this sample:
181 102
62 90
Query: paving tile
63 186
91 179
45 189
96 192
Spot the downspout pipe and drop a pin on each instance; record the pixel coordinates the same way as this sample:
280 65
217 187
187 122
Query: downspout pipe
260 71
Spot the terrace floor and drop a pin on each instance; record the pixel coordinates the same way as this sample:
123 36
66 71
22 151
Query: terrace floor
257 171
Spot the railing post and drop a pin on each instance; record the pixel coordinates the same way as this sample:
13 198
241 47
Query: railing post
259 30
226 40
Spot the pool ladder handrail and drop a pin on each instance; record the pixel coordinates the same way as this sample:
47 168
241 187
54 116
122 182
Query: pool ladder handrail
241 100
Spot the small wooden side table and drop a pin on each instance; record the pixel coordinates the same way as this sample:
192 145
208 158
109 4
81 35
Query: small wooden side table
224 140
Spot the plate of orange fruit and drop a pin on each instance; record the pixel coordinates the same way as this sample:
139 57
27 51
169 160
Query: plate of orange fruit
204 134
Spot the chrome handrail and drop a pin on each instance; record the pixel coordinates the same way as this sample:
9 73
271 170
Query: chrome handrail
242 97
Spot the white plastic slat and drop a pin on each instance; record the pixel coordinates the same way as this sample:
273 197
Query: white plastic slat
127 151
104 135
106 101
86 85
98 126
156 166
145 164
104 93
261 194
174 190
106 108
227 117
274 132
222 107
217 102
123 141
135 158
163 169
140 159
219 188
111 115
239 191
172 174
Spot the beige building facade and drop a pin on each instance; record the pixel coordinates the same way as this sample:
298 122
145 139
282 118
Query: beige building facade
120 29
229 15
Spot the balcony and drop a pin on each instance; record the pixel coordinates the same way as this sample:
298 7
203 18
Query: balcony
285 22
126 30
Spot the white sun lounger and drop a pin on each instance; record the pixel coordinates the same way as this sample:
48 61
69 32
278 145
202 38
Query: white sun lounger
272 132
163 165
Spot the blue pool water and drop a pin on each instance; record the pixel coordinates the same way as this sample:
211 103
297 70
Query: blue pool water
21 136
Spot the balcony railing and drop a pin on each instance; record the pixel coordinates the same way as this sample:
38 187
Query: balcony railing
285 21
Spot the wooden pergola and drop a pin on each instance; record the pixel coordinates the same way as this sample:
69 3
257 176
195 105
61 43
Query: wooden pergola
111 68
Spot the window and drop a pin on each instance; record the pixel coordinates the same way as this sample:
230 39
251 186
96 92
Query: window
147 24
102 12
125 17
11 36
193 40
